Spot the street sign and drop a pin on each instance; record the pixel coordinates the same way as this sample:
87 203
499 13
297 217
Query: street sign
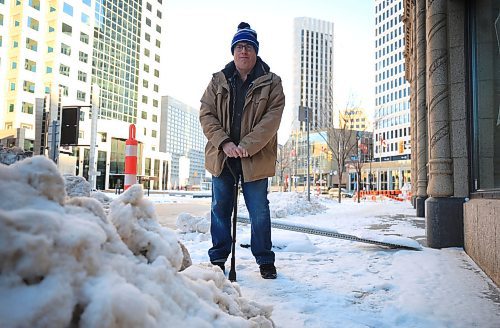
354 158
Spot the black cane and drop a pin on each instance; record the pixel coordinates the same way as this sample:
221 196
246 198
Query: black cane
232 272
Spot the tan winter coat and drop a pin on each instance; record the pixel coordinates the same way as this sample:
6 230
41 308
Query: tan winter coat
261 118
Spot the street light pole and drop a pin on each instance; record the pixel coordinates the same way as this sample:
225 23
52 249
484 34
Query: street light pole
308 156
93 135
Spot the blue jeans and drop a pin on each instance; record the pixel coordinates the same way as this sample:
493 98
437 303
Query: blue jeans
255 194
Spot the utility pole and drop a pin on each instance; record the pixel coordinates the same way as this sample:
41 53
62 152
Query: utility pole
93 135
308 156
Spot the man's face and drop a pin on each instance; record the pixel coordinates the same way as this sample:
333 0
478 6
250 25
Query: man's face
245 56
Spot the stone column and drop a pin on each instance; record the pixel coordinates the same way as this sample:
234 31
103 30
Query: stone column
421 110
410 75
440 172
443 213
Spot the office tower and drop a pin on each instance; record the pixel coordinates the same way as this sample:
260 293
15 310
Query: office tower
392 95
313 72
56 50
182 137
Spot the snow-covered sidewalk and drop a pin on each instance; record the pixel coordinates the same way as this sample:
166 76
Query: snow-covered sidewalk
326 282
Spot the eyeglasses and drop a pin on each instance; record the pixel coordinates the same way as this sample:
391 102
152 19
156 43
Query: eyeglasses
247 47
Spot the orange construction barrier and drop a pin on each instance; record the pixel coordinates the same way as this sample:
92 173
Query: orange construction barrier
130 159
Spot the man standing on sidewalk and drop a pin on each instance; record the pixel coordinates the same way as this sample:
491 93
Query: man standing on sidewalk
240 115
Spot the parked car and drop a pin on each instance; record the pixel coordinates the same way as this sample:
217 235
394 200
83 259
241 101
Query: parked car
347 193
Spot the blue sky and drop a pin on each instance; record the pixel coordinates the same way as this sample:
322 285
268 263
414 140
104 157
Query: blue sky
198 36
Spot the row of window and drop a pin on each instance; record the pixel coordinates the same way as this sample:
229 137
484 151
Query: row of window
390 48
388 11
398 69
393 121
386 26
390 85
391 109
392 96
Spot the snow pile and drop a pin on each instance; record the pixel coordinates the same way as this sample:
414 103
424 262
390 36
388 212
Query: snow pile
189 223
76 186
65 263
283 204
9 156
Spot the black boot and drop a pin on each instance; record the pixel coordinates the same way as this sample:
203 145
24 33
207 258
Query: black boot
268 271
220 265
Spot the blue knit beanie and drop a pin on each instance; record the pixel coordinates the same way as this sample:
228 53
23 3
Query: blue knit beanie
245 34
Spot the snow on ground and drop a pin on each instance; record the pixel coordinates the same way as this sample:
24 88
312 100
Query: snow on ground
65 262
326 282
93 262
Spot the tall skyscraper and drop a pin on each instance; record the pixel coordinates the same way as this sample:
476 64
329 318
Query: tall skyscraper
392 97
58 49
182 137
313 76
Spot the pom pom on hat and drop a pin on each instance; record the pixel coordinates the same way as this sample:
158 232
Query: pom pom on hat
245 34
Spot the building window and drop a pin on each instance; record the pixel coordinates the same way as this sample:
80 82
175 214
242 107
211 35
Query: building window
68 9
27 108
65 49
85 19
485 102
34 4
67 29
154 118
80 95
84 38
144 115
82 76
64 70
83 57
31 44
33 23
30 65
11 108
12 86
64 90
14 65
29 86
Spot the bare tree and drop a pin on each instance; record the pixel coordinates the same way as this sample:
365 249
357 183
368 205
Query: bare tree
343 144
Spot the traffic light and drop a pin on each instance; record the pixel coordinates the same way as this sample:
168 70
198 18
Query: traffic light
69 125
401 146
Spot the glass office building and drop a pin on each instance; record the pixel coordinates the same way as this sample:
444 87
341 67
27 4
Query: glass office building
56 50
